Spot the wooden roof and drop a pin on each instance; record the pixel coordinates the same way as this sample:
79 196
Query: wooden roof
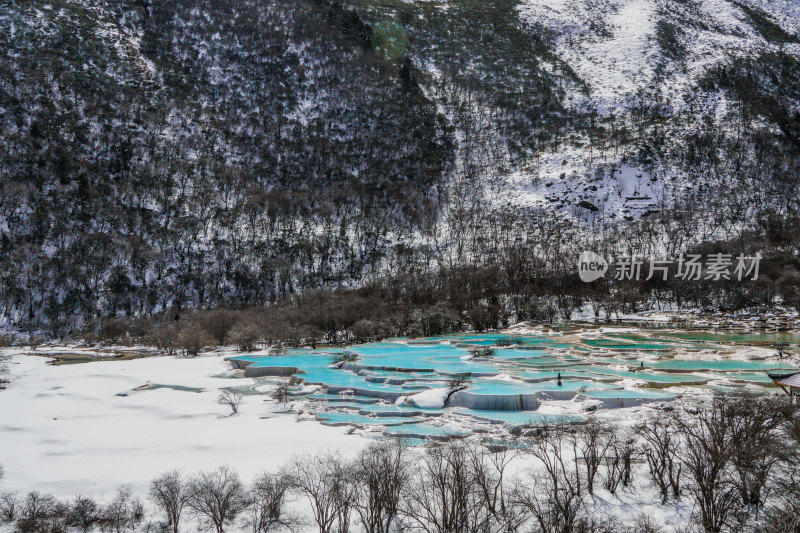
787 380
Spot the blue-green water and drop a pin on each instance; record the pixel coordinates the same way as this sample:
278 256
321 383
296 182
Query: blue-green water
422 430
336 418
630 393
615 368
522 387
517 418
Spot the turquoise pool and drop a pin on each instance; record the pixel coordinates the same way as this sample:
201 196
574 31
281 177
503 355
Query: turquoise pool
617 369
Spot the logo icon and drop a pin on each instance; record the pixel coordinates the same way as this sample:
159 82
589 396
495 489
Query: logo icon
591 266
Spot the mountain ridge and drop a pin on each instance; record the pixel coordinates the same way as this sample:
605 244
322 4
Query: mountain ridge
176 154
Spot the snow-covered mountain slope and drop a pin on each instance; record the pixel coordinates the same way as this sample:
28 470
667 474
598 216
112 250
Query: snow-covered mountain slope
600 108
621 47
629 52
158 152
609 45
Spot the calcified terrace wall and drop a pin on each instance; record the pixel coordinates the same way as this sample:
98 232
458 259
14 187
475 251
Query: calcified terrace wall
506 378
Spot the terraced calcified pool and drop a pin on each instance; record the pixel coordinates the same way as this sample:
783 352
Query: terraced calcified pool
448 385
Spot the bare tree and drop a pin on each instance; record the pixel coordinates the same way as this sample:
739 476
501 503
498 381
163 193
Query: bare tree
170 493
593 443
230 399
707 455
661 444
555 508
644 523
266 506
783 514
325 482
40 512
619 462
489 464
442 496
124 513
84 514
381 475
554 494
9 507
757 446
345 495
217 497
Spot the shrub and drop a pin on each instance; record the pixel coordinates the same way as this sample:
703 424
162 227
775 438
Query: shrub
217 323
113 329
439 318
245 337
124 513
84 513
41 513
281 393
193 338
165 338
232 400
369 330
345 357
482 352
458 380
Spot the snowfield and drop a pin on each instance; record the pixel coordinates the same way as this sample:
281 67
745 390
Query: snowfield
82 429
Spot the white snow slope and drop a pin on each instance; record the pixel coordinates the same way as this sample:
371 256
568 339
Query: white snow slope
612 46
66 430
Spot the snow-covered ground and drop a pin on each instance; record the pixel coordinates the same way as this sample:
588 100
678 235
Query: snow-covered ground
82 429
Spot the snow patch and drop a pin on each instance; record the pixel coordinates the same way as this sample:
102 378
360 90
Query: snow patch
429 399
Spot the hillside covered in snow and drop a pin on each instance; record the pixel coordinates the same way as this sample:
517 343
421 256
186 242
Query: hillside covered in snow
160 154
